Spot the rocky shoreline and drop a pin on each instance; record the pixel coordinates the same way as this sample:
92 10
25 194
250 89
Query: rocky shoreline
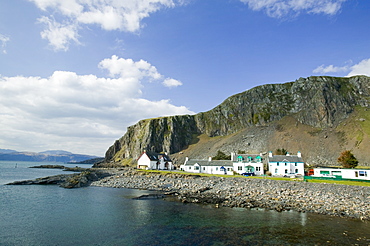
328 199
71 169
76 180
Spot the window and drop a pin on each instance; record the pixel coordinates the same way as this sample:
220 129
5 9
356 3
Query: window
277 164
228 169
240 158
216 168
285 163
363 173
296 171
258 169
196 168
240 168
204 168
249 159
286 170
295 164
189 168
276 170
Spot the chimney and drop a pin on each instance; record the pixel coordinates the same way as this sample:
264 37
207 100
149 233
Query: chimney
287 154
186 160
209 158
299 154
270 154
232 156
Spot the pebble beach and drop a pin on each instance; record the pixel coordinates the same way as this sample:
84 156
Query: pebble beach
321 198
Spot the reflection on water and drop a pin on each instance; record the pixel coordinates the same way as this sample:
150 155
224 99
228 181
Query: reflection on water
49 215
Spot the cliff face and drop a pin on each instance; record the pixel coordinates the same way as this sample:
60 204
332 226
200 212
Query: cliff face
320 102
166 134
315 101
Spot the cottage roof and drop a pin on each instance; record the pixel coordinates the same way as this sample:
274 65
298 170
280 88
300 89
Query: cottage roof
209 163
247 157
285 158
153 156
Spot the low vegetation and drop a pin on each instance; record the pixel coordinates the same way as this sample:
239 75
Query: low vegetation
281 151
347 159
221 156
339 182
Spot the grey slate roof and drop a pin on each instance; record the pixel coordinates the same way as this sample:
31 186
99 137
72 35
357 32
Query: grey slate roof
209 163
155 156
285 158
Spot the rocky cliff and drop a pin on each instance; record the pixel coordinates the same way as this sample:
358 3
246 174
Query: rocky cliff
303 113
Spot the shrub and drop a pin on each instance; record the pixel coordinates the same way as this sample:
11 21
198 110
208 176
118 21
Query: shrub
347 159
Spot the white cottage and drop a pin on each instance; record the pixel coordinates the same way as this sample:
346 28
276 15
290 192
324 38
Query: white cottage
345 173
208 166
247 163
154 161
281 165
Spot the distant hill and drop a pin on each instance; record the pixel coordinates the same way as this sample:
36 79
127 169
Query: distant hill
45 156
90 161
56 152
7 151
318 116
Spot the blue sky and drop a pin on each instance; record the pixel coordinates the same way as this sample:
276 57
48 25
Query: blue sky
74 74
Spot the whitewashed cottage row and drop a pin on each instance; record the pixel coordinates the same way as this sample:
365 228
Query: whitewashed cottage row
248 164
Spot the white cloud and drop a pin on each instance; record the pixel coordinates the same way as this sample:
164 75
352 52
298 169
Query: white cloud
281 8
4 39
128 68
331 69
171 82
120 15
362 68
59 35
79 113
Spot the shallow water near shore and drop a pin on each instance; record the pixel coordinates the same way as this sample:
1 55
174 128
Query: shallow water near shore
50 215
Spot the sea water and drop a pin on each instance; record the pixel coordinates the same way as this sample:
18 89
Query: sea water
50 215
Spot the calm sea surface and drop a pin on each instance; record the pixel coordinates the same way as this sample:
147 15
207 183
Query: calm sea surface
50 215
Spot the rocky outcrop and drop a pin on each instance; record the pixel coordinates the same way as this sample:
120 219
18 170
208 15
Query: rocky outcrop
82 179
166 134
315 101
319 102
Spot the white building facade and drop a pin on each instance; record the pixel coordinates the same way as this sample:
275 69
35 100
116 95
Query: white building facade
154 161
280 165
247 163
345 173
241 164
207 166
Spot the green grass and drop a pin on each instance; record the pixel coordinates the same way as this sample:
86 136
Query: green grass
218 175
340 182
186 173
365 114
